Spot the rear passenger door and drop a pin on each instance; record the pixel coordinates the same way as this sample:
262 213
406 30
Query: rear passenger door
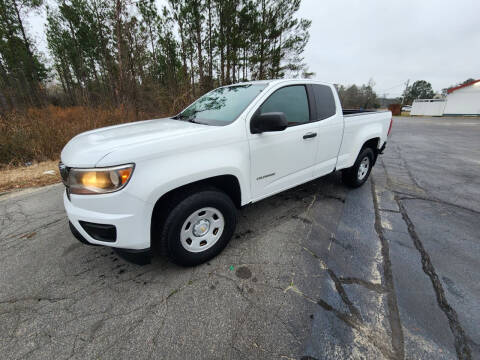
282 159
329 126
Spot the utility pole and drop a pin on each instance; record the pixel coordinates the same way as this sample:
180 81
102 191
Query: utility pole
406 87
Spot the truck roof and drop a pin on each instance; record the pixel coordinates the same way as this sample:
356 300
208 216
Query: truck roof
275 81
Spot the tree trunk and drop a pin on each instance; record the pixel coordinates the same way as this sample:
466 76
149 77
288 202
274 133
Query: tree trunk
261 75
192 74
198 31
210 49
120 55
228 64
244 63
222 66
184 51
31 75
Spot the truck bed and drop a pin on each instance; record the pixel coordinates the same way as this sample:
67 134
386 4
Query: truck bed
360 126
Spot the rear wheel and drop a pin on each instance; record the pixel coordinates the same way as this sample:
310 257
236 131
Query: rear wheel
356 175
198 227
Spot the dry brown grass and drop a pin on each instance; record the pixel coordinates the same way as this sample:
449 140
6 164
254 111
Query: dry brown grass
37 174
39 134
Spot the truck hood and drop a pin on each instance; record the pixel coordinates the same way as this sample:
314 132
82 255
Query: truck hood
88 148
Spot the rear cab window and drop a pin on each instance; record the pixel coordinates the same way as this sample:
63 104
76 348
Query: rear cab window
325 102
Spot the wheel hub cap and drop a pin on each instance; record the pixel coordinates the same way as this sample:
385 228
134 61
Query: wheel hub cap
363 168
201 227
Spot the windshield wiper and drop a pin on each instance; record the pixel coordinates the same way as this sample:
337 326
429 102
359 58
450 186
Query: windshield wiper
197 121
184 118
193 120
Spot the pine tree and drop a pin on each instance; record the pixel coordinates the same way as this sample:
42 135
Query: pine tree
21 70
135 55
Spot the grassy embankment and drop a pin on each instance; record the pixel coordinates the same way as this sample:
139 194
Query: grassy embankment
31 141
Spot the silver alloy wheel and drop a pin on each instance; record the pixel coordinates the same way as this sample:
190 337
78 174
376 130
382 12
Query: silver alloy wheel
363 168
202 229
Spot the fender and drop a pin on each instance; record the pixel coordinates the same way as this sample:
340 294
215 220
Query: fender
357 133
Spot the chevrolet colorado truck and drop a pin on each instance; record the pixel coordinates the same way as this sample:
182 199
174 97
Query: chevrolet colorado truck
175 184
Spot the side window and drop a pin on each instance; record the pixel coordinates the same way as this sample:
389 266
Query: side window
325 101
292 101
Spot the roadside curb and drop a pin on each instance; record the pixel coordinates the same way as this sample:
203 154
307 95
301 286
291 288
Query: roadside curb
9 194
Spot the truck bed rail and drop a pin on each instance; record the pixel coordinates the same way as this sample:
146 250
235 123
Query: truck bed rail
355 112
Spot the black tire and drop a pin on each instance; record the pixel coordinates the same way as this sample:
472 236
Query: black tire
180 209
351 176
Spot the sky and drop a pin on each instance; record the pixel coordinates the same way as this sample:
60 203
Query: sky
391 42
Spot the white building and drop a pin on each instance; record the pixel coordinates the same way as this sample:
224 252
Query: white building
463 100
428 107
460 100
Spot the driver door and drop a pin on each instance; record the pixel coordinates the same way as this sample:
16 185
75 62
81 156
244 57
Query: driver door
283 159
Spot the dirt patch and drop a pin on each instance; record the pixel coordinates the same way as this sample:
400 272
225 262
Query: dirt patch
38 174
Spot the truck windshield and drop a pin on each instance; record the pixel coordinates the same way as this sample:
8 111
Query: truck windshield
221 106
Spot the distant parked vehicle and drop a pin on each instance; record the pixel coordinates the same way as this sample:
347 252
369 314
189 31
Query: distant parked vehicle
407 108
175 183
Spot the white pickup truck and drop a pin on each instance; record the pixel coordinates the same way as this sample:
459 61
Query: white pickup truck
175 184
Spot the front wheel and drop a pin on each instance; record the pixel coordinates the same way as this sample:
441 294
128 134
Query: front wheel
356 175
199 227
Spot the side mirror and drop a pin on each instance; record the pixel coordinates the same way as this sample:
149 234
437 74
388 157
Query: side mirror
273 121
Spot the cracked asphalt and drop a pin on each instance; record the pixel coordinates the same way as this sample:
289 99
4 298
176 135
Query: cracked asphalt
389 270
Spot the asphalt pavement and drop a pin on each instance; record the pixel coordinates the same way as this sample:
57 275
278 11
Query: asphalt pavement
389 270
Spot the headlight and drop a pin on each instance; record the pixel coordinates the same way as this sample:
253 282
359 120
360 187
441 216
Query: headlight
99 180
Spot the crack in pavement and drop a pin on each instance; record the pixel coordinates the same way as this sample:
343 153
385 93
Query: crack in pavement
367 284
461 341
393 313
352 319
353 323
35 230
343 295
393 346
407 196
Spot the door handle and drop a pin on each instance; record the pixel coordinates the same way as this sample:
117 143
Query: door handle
309 135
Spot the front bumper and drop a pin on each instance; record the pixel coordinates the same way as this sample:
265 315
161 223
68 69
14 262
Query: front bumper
139 257
130 216
78 236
